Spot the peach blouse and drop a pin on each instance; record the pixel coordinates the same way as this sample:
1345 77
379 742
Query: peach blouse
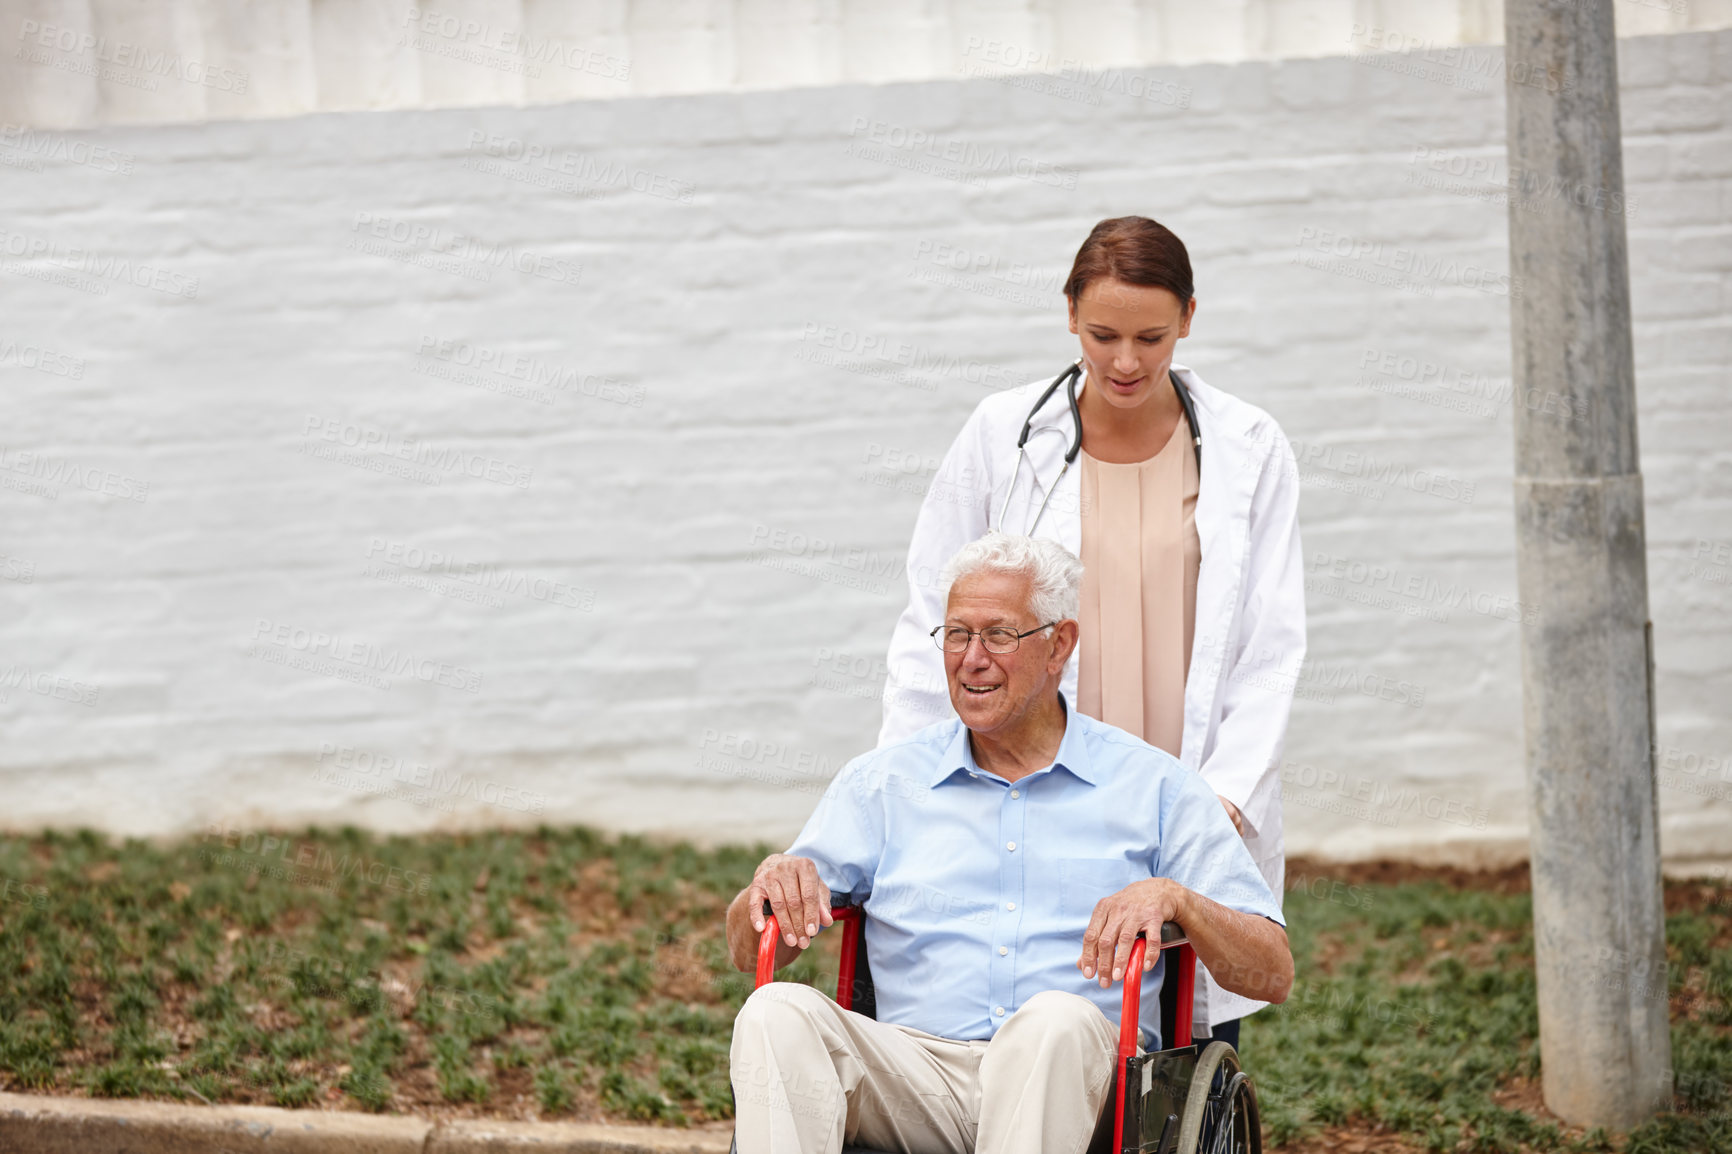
1140 555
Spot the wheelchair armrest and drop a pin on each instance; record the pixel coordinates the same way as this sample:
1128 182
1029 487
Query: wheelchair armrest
768 938
1172 938
772 932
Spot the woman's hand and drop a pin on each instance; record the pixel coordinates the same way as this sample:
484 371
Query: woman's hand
1233 812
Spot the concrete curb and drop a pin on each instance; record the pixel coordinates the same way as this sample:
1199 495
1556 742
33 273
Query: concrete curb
42 1124
571 1138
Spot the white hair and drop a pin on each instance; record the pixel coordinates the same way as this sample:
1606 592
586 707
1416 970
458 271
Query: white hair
1053 571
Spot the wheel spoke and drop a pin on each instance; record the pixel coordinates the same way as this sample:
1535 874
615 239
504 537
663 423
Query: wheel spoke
1225 1120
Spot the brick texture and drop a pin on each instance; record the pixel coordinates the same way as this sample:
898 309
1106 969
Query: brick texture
452 468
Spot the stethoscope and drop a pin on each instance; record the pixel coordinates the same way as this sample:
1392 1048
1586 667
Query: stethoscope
1068 379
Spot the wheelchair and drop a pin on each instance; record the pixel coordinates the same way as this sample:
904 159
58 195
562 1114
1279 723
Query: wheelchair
1182 1100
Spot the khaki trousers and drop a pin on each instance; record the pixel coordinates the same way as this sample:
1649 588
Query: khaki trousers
810 1077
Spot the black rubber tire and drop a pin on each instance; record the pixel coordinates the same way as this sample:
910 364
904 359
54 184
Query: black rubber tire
1242 1129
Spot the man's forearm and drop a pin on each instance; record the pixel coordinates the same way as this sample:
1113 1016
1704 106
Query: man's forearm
742 939
1244 953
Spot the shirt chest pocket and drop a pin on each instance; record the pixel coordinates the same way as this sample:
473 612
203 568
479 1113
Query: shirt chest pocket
1084 881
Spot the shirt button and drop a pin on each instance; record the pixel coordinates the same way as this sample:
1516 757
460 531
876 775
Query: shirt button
1002 951
1011 846
1010 905
1015 793
999 1010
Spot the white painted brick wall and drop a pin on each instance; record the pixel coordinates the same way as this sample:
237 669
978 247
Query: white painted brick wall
653 662
83 63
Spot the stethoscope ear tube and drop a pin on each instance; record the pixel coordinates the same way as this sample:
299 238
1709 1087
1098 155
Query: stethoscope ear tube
1075 375
1190 409
1070 374
1068 379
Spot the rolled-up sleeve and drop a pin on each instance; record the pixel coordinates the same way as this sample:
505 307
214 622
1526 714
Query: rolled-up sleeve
1200 849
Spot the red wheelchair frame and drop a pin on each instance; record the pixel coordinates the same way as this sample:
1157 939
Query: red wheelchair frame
1146 1086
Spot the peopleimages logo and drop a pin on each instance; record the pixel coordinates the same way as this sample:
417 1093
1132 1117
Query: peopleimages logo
382 445
1374 470
540 378
423 26
46 685
874 354
569 171
1397 260
1463 60
44 360
364 771
52 472
822 549
124 54
1530 187
1423 595
1368 799
461 247
1076 80
27 143
50 254
366 658
263 849
978 159
482 574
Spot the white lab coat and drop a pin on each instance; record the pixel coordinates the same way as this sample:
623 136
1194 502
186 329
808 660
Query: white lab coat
1249 638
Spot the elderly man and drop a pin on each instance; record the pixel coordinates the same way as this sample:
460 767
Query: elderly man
1007 861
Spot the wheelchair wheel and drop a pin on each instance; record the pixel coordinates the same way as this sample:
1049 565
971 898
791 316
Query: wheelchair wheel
1221 1110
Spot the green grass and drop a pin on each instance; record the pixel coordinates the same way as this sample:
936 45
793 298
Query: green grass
576 975
1415 1005
334 967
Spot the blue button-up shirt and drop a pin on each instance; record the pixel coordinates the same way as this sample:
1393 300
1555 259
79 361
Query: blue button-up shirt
978 891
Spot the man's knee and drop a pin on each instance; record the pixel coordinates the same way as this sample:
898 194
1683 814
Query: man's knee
777 1058
777 1006
1064 1028
1061 1012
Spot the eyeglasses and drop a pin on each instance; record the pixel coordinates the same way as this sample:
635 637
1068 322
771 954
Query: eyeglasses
996 638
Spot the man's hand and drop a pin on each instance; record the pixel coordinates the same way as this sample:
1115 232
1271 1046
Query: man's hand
1233 812
1140 907
1244 953
800 901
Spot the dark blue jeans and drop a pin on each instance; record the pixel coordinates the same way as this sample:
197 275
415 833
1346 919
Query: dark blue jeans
1227 1032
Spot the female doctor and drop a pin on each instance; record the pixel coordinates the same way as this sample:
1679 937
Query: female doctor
1182 503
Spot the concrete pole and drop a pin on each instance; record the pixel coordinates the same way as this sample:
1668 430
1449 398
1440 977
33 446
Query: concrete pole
1587 680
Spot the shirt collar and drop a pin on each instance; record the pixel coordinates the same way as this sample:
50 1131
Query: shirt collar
1072 752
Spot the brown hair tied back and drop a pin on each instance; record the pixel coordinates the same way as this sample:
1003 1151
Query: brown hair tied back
1135 250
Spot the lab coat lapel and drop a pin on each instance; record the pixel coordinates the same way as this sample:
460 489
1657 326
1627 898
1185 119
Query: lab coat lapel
1049 438
1226 480
1048 442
